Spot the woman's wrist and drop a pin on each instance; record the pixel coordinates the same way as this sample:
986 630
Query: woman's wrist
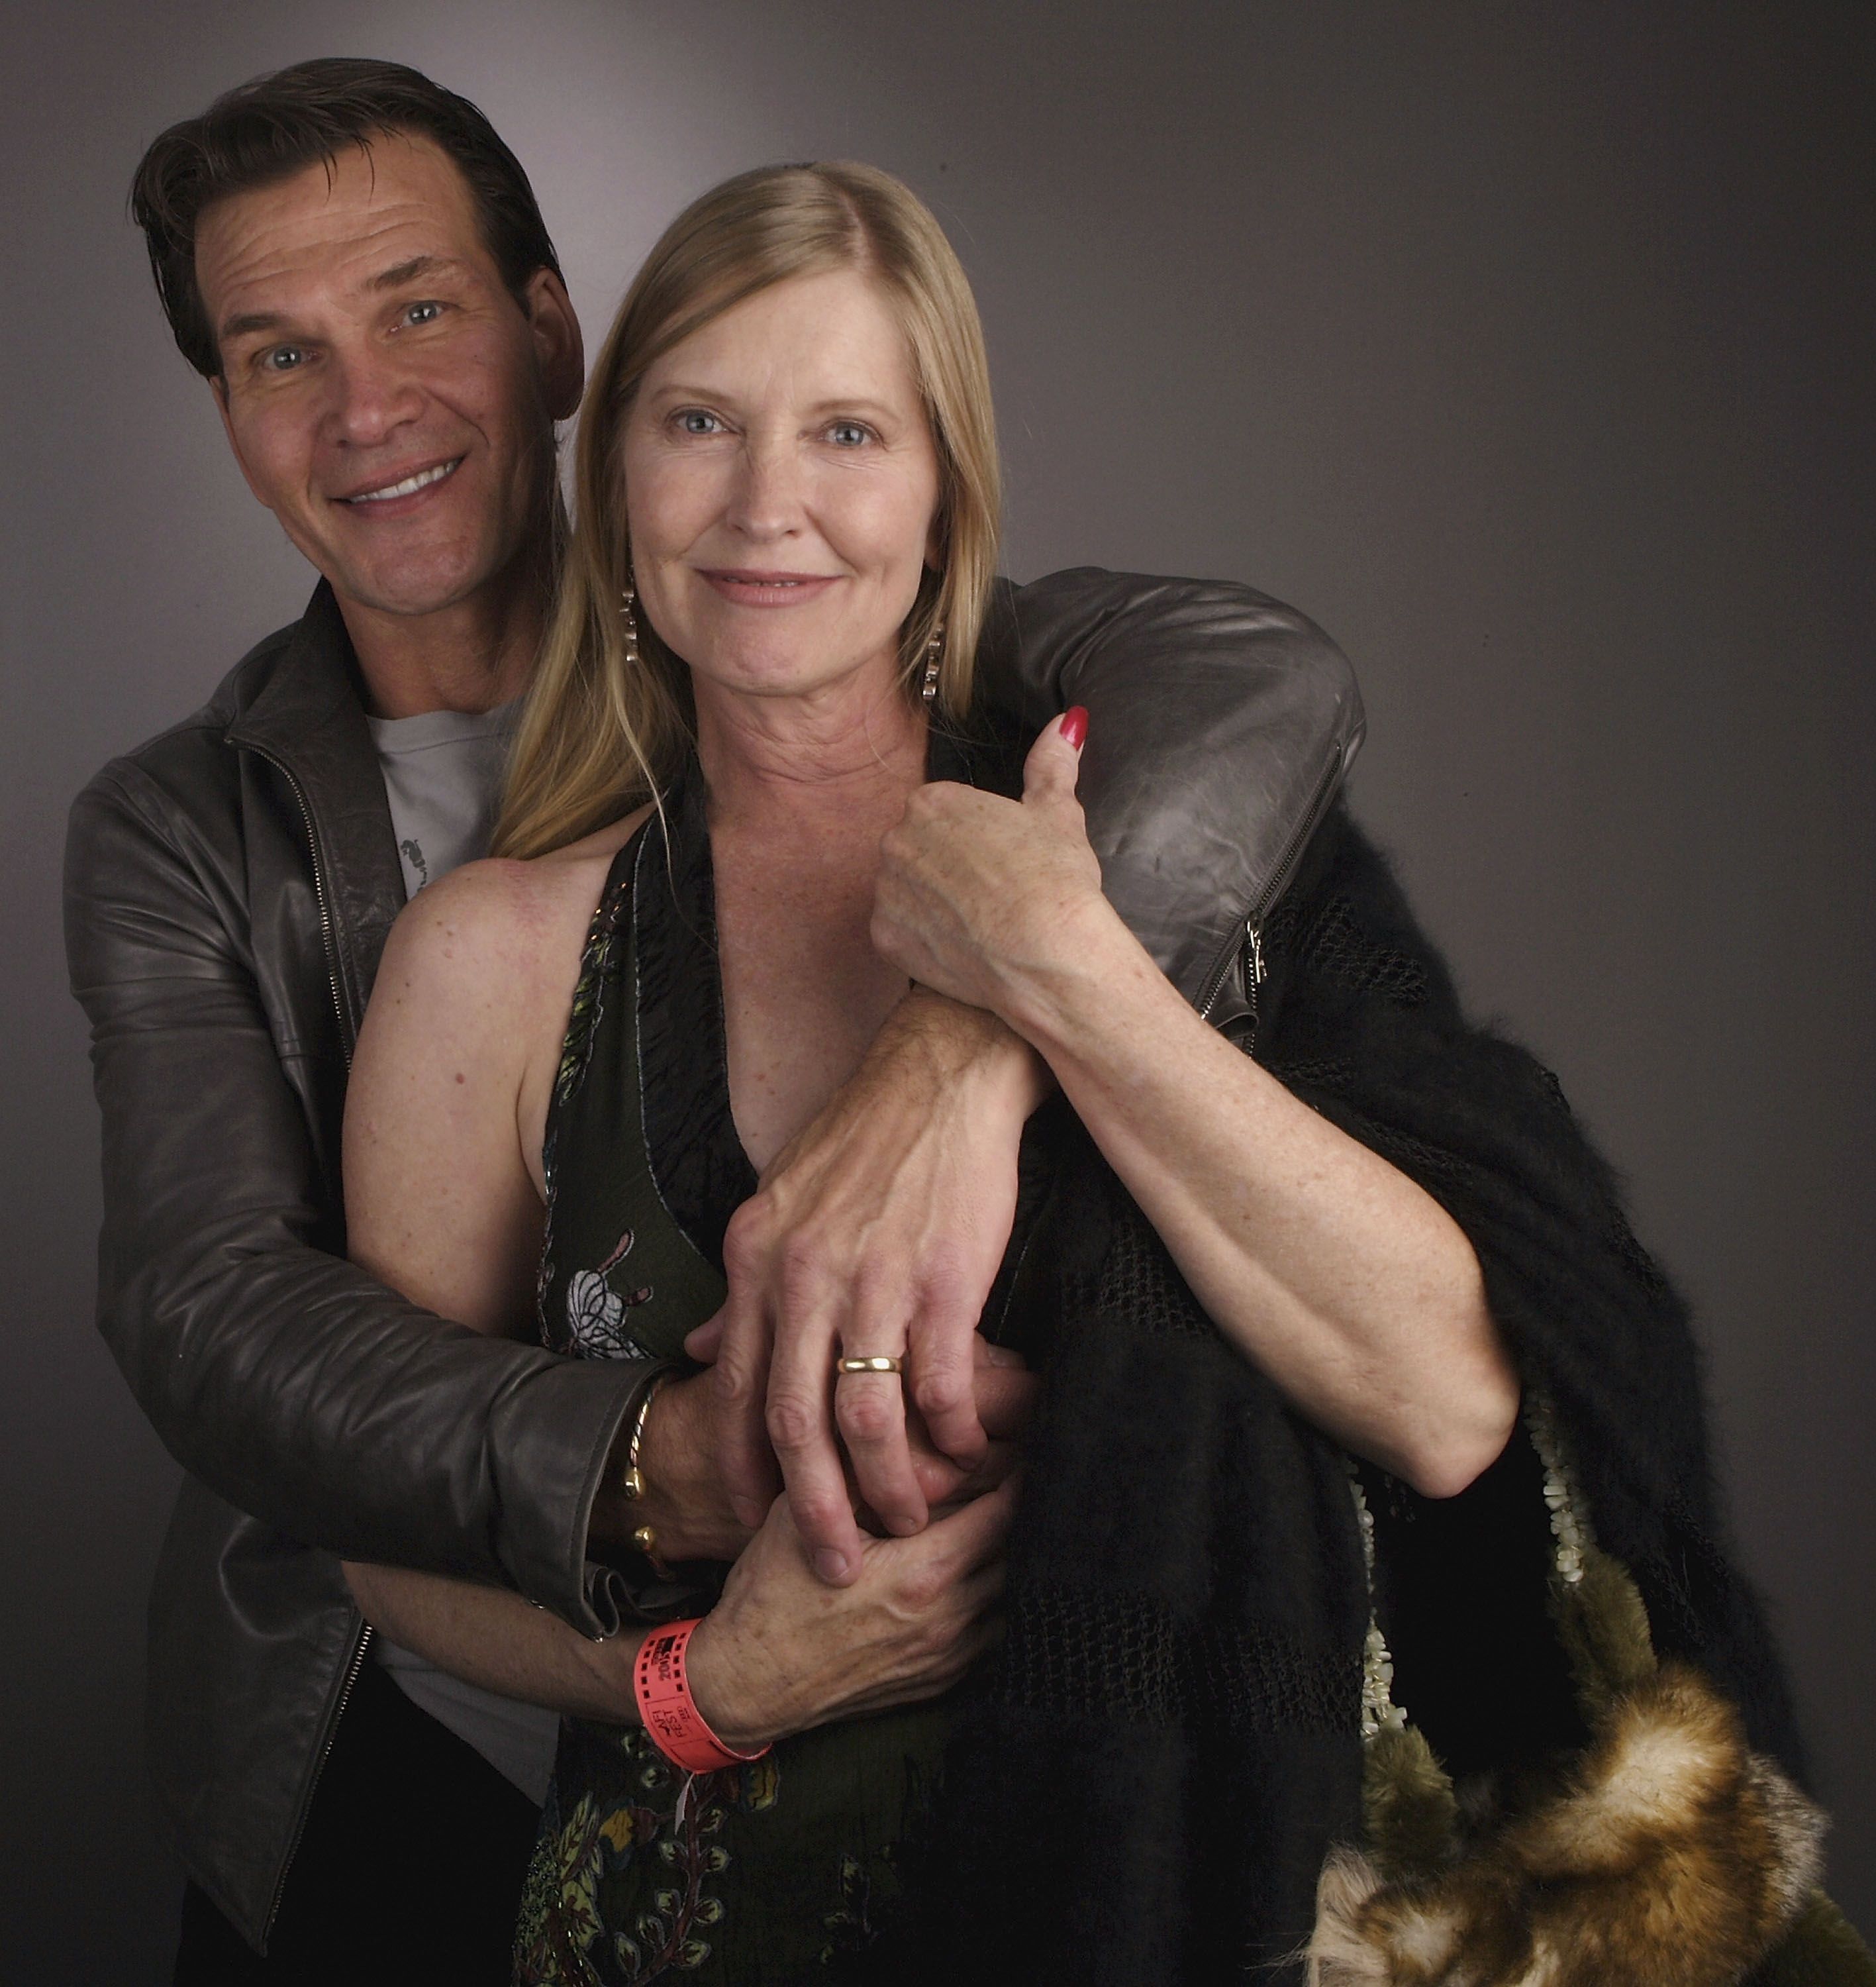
1059 996
721 1692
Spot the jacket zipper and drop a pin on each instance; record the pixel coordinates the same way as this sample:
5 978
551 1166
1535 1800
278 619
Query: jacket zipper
1251 943
347 1033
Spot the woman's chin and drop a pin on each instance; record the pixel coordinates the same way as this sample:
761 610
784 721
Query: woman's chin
795 670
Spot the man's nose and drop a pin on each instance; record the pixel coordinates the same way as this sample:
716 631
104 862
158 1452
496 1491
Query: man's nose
372 396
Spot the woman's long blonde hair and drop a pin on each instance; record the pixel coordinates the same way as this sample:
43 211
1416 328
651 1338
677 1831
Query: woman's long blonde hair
599 736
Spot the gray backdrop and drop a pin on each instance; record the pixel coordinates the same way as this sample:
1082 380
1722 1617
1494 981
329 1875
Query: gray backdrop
1523 345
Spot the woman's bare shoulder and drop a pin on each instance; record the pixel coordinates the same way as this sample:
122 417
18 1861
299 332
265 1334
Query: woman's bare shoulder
499 925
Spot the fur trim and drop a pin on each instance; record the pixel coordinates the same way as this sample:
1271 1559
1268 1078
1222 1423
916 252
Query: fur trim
1604 1628
1823 1949
1671 1857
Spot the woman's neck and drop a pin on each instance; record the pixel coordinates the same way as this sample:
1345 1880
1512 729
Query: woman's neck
845 753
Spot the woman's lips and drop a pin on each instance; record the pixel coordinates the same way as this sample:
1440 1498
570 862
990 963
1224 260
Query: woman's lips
749 587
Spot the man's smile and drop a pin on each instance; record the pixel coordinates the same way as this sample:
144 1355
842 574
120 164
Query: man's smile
405 486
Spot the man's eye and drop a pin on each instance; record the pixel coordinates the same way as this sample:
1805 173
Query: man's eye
850 434
423 313
283 358
696 421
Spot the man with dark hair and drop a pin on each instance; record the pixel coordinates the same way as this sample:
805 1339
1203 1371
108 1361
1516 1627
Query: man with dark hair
355 262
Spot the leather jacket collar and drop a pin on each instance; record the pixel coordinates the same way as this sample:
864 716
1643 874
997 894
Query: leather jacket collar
308 718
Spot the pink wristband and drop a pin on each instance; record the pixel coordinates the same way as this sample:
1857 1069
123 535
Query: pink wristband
672 1721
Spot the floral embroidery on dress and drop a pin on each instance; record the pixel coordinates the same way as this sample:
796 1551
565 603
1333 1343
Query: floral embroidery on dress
850 1929
596 1312
659 1840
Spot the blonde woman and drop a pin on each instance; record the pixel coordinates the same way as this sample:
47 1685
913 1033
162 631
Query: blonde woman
754 795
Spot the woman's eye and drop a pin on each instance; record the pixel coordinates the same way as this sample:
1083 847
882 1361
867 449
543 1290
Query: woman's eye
695 421
850 434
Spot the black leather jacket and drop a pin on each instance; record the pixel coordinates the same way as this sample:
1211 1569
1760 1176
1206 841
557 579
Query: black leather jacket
229 888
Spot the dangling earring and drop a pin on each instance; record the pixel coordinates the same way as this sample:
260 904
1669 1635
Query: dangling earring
934 658
627 600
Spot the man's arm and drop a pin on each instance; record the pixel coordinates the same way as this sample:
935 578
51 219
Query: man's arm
1220 724
294 1384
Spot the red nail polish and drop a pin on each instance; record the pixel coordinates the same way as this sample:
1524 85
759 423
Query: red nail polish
1075 725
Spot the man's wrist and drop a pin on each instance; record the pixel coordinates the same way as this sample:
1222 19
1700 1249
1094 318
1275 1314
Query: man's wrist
968 1042
617 1512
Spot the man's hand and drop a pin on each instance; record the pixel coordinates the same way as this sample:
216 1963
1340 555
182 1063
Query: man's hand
976 892
877 1230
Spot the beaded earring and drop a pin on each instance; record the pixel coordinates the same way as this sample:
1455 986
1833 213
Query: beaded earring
628 601
934 658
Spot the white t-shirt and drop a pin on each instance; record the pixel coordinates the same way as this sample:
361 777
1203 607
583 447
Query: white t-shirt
442 775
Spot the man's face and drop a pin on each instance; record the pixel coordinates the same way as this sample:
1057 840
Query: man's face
387 397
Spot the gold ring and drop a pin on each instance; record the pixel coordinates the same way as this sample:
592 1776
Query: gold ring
880 1363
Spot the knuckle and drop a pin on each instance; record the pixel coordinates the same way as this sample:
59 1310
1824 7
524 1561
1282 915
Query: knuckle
817 1515
802 1260
865 1414
792 1419
734 1383
748 1231
938 1391
921 1591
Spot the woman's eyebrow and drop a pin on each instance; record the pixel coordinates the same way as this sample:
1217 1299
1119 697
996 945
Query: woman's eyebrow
855 403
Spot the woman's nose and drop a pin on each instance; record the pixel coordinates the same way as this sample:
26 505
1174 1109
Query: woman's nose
766 497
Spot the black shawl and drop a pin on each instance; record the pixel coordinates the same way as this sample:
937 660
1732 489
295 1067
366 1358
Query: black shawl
1143 1790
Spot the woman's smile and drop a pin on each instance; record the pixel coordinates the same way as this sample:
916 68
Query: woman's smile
780 458
749 587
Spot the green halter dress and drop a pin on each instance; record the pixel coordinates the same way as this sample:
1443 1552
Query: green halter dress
788 1868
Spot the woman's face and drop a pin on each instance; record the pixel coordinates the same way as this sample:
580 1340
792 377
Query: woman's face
781 490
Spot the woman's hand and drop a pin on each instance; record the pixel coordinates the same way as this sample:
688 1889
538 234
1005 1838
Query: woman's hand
782 1651
976 892
1350 1286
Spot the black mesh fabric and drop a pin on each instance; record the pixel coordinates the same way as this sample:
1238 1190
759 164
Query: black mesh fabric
1138 1280
1334 944
1167 1739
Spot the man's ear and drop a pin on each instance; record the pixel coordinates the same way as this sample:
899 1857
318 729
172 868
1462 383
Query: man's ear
219 387
557 344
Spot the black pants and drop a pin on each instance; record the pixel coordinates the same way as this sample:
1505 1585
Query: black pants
410 1870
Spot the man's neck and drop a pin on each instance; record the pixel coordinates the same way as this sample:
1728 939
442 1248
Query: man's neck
470 656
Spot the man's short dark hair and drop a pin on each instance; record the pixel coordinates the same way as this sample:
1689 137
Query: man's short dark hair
270 129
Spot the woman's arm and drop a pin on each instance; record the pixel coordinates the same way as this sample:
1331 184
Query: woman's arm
780 1651
441 1199
1345 1282
444 1120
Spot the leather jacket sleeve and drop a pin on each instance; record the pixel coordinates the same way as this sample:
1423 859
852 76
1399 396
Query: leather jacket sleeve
1220 724
293 1384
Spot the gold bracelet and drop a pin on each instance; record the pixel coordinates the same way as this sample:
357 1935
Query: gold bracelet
644 1538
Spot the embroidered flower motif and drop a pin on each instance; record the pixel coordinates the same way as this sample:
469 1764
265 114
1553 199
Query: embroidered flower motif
596 1312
